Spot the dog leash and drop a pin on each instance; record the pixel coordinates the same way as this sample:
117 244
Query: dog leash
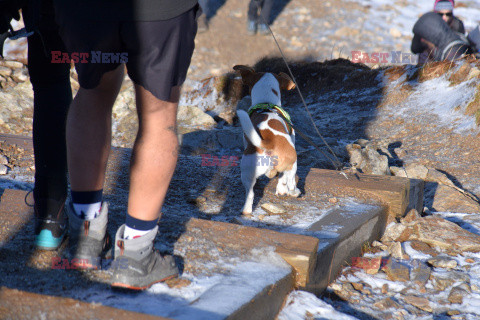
337 164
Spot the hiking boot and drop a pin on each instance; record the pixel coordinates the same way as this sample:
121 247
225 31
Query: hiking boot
263 29
50 223
251 27
88 239
137 264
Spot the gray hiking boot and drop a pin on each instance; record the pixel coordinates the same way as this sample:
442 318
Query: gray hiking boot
88 239
137 264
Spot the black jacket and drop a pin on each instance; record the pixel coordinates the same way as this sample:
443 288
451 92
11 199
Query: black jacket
426 24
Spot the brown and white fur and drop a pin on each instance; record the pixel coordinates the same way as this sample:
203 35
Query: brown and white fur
267 134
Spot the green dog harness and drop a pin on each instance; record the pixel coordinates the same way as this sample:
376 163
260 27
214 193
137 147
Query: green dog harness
270 106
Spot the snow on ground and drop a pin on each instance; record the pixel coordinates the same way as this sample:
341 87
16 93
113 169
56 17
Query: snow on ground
402 15
302 305
205 298
439 97
470 307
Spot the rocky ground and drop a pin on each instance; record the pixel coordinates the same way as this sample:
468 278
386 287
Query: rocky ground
379 118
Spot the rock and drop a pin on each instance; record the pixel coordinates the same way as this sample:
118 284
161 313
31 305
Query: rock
369 265
5 72
12 64
457 294
440 284
3 169
419 302
395 33
453 312
411 216
442 262
274 209
434 175
423 248
194 117
368 159
386 303
420 272
378 244
3 159
395 250
416 172
335 286
398 172
440 233
448 199
446 280
393 232
396 271
384 288
348 287
474 72
19 76
357 286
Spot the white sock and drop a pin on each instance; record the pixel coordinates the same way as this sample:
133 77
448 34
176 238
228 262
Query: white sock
130 233
87 211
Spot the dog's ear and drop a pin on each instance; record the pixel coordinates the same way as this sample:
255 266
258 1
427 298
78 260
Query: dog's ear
286 83
249 76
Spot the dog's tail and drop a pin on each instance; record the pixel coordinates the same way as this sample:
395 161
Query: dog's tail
248 128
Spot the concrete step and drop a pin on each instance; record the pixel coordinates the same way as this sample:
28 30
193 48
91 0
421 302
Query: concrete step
343 214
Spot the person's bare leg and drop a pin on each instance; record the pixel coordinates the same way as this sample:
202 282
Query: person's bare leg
154 155
89 132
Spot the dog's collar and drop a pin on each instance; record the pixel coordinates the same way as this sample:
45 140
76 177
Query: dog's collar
270 106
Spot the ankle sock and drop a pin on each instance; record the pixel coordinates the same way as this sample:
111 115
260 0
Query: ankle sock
87 204
135 228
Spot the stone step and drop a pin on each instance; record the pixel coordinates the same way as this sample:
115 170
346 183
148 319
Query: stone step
314 255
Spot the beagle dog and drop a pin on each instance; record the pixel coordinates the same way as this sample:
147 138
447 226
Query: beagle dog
269 137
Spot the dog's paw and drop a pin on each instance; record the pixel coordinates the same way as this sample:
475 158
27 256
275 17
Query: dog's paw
294 193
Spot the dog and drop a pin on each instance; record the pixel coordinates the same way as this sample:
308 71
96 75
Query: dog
269 137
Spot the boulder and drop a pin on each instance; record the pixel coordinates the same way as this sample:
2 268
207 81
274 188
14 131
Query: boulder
451 199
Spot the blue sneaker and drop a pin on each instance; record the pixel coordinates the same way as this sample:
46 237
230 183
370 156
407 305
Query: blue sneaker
50 224
263 29
251 27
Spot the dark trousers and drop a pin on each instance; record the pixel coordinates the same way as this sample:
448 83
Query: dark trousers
52 97
261 15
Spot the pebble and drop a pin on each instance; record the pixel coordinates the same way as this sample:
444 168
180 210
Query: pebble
274 209
442 262
3 169
3 159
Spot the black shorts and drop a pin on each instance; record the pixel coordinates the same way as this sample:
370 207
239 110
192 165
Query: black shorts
157 53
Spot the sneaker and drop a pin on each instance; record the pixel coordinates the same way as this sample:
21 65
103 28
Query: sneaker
202 23
263 29
251 27
137 264
50 227
88 241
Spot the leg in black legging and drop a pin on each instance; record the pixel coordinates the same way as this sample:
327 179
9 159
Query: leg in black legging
52 97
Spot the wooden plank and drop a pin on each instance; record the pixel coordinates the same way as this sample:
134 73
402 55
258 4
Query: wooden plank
297 250
16 304
394 192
